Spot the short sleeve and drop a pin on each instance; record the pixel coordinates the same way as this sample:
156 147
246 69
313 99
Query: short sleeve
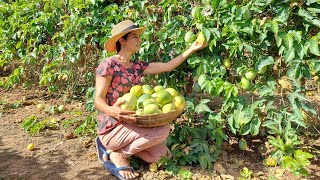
105 69
141 66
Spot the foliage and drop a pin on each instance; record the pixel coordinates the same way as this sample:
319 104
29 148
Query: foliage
58 44
33 126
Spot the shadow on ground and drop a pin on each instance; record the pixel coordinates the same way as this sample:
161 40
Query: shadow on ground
15 166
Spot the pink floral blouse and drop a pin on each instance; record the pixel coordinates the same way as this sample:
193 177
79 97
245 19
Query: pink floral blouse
122 79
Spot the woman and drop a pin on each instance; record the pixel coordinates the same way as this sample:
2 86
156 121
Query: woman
114 77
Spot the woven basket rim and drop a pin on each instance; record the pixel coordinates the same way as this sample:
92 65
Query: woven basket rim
160 114
159 119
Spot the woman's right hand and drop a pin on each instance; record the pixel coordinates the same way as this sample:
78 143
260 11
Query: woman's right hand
120 114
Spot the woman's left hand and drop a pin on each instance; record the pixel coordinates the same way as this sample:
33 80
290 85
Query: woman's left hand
197 46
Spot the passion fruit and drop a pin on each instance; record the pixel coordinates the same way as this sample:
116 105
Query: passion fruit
30 147
263 70
245 83
200 38
189 37
195 12
226 63
270 161
243 144
250 74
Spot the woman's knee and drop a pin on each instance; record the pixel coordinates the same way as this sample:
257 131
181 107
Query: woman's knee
163 132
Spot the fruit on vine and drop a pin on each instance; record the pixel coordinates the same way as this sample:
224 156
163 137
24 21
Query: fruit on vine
30 147
195 12
137 90
226 63
315 78
200 38
250 74
189 37
243 144
270 161
245 83
263 70
153 167
130 101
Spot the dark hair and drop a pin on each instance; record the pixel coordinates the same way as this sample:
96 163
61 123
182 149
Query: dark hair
118 45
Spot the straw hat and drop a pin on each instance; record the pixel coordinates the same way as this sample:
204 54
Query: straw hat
118 31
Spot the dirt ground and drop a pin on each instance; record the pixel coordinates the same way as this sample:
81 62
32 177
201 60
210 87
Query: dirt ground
56 157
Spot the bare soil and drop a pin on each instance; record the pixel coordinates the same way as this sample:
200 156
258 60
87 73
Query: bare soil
56 157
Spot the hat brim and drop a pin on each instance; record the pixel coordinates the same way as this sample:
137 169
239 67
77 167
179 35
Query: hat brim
110 44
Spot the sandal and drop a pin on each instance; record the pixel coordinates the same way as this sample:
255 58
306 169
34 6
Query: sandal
101 150
113 169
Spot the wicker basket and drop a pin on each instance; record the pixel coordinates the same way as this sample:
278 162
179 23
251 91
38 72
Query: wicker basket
154 120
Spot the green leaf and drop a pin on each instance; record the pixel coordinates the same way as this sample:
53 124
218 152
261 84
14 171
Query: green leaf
202 107
255 126
289 54
185 173
288 162
288 41
279 38
299 50
244 130
314 48
264 61
206 33
275 26
265 91
296 35
299 154
231 124
202 79
194 60
308 17
277 142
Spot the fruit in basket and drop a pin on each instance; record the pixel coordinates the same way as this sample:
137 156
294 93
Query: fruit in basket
150 101
164 97
179 102
154 95
147 89
168 108
136 90
139 112
172 91
141 99
151 109
158 88
130 101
